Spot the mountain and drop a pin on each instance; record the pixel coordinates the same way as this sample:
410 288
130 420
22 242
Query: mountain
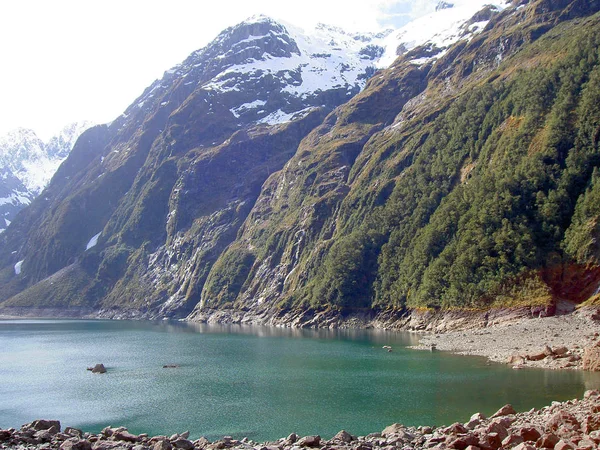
27 164
280 177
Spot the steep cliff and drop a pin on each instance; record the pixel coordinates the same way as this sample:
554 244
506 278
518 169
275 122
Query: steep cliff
462 176
464 182
136 216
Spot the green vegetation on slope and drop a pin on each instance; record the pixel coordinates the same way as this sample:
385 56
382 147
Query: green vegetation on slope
468 182
464 202
526 141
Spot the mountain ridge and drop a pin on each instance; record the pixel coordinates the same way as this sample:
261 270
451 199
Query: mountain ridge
366 204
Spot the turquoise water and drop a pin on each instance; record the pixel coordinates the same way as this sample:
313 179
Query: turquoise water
249 381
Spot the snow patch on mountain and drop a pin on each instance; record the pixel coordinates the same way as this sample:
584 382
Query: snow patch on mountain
15 198
279 117
93 241
441 28
247 106
18 267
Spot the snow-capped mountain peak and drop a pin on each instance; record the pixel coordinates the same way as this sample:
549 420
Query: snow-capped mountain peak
27 164
443 5
267 71
18 146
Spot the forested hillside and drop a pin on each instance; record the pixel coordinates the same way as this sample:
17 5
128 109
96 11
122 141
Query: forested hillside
479 193
457 179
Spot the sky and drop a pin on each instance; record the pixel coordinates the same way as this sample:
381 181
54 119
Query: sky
69 60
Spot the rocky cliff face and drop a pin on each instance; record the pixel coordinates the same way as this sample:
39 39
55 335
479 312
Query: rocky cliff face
260 177
169 182
413 201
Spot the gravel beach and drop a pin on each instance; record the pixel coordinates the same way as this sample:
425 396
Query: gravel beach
522 341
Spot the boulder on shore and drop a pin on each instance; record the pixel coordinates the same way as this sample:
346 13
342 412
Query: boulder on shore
39 425
506 410
591 358
536 356
76 444
343 436
310 441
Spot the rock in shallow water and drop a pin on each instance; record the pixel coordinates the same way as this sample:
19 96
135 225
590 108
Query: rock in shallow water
98 368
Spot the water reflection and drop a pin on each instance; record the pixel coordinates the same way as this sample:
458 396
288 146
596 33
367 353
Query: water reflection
376 336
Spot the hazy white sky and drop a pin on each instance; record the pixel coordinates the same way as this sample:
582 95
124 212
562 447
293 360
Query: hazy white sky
68 60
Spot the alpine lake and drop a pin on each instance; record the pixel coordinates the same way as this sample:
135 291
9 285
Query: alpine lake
243 381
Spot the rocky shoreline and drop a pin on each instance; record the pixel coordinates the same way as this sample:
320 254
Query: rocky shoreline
570 425
554 337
